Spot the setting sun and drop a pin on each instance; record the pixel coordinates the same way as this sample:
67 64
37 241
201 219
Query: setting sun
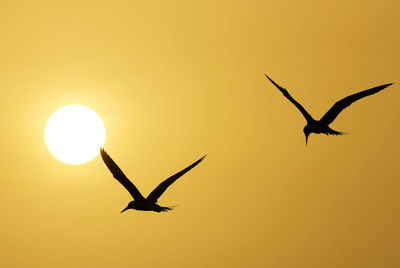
74 134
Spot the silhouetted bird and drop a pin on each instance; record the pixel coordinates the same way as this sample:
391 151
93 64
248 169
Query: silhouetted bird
141 203
322 125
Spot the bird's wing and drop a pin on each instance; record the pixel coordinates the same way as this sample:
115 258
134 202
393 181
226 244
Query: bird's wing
287 95
339 106
120 176
160 189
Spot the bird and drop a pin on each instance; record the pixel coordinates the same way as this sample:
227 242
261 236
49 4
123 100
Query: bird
139 202
322 125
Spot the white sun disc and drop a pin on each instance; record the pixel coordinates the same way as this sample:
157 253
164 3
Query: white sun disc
74 134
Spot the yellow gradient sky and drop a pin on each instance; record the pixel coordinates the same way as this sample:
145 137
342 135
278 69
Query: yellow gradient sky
174 80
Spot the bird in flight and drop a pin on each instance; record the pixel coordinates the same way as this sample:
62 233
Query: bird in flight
140 203
322 125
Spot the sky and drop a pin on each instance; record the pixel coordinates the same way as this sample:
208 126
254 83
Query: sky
174 80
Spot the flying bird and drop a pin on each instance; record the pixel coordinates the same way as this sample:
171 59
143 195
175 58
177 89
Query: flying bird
140 203
322 125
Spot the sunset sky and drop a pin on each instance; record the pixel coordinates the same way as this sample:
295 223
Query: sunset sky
175 80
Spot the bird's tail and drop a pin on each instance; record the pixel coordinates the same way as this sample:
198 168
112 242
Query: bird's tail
334 132
165 209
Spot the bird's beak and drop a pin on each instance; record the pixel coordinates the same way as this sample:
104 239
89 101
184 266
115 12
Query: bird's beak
125 209
306 139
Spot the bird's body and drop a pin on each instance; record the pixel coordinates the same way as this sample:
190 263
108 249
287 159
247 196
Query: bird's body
322 125
314 126
146 205
140 203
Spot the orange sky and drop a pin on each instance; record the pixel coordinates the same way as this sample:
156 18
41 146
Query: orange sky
174 80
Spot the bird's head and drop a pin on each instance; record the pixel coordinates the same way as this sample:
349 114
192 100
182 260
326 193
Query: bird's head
131 205
307 132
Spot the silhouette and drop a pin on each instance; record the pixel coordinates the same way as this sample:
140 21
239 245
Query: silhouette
322 125
141 203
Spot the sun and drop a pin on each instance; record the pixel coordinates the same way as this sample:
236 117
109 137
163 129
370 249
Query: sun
74 134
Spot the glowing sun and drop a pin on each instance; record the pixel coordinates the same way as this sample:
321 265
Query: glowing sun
74 134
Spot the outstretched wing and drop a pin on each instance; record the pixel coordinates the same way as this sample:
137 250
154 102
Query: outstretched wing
160 189
339 106
285 93
120 176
